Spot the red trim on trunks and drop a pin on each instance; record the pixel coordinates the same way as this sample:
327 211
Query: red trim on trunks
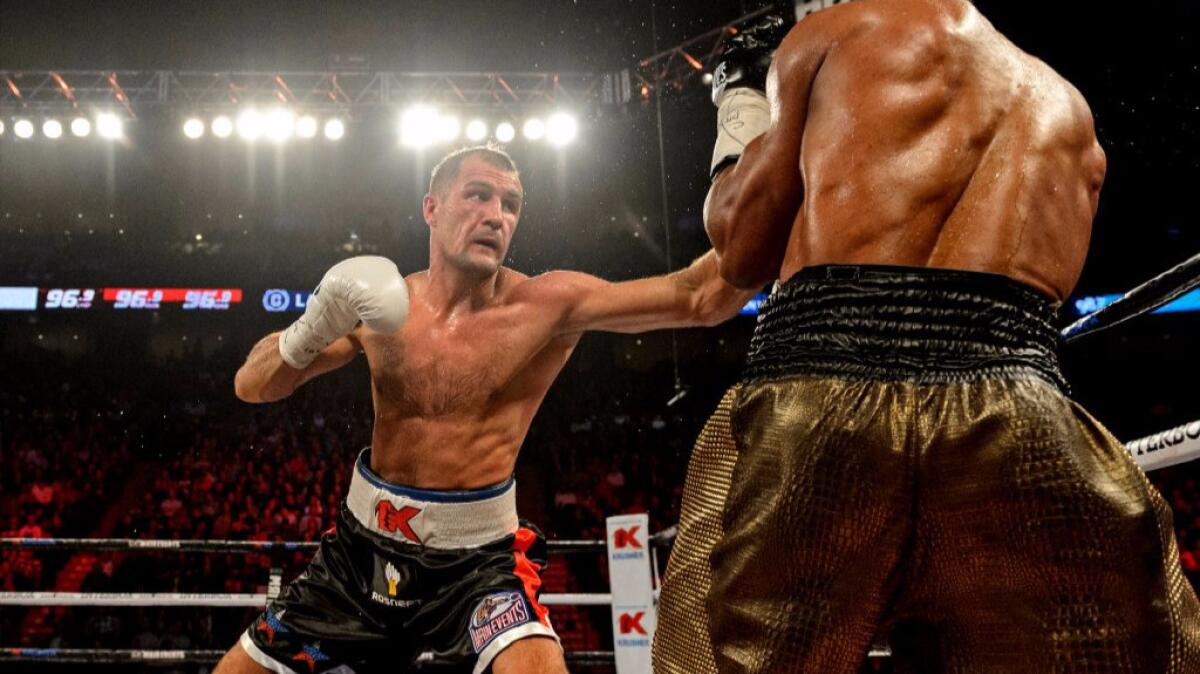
527 571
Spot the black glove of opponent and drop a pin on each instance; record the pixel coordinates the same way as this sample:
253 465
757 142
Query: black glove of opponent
746 56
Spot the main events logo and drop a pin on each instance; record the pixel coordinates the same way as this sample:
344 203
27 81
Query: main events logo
497 613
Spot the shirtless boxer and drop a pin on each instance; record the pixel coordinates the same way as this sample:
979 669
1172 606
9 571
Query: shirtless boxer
901 454
428 553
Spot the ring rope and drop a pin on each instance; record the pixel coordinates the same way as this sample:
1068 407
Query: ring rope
1145 298
208 656
222 600
229 546
204 656
1167 448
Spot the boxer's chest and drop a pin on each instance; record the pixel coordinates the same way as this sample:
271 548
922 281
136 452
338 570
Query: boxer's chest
438 368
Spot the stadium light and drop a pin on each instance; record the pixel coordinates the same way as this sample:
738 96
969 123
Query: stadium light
52 129
561 129
335 129
250 125
280 124
23 128
419 126
505 132
193 128
306 126
477 130
81 127
447 128
1 127
222 127
534 128
109 126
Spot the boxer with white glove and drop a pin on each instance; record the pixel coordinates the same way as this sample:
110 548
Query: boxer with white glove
429 553
367 289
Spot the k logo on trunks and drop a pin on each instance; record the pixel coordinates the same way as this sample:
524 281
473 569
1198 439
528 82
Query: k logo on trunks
392 520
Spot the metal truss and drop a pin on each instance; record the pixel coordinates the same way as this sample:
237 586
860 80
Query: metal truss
352 92
345 93
674 69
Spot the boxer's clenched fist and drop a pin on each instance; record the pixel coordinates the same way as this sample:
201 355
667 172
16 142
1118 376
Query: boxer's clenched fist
368 288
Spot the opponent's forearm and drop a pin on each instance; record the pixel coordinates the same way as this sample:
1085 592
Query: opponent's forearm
719 207
264 377
747 223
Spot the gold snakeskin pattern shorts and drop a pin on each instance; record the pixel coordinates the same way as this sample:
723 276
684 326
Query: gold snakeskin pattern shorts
994 526
901 459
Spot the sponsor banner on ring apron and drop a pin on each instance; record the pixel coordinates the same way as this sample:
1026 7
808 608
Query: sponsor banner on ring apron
633 611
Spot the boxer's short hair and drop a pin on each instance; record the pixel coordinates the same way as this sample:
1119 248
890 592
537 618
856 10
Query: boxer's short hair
446 170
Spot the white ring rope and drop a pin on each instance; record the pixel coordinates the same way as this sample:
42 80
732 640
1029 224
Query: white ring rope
1167 448
204 599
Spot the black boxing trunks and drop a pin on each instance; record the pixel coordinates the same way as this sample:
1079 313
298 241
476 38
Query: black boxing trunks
407 574
901 458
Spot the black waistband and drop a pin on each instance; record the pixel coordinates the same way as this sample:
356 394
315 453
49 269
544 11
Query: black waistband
905 323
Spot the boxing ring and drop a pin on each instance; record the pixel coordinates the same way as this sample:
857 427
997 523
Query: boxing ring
1169 447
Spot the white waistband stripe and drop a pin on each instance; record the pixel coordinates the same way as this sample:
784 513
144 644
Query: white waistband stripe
434 519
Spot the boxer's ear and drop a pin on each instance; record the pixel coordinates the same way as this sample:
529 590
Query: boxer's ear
429 209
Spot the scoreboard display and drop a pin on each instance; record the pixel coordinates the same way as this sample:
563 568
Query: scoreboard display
278 300
191 299
128 298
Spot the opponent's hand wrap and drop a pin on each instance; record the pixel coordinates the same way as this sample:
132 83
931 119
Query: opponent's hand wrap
366 288
739 81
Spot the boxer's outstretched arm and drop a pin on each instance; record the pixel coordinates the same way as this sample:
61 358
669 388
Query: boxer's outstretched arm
265 378
753 203
691 297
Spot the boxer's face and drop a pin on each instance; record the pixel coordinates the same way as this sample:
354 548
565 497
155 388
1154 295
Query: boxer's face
472 222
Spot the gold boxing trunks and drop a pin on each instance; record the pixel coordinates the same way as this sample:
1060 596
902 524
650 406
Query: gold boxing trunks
900 458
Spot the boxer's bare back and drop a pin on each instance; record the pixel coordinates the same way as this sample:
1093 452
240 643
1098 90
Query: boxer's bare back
911 132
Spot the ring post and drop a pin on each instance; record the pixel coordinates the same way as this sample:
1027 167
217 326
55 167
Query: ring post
633 613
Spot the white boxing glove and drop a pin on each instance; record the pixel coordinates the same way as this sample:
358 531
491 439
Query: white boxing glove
368 288
742 115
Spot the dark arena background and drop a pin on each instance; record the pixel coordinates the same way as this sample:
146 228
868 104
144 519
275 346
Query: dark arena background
140 261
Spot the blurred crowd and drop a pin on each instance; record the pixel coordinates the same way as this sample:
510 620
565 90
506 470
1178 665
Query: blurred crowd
176 456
